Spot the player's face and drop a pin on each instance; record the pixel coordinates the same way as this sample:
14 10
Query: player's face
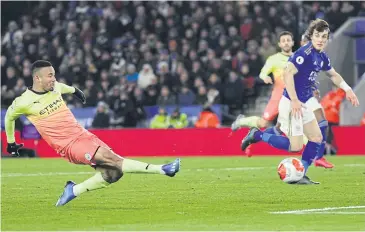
319 39
46 78
286 43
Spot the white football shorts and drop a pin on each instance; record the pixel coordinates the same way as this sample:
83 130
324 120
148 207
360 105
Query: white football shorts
313 104
290 125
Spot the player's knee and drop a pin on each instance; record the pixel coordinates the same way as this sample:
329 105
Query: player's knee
263 123
318 113
296 144
107 157
112 175
316 138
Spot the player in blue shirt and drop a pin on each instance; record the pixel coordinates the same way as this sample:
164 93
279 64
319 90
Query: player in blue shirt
295 114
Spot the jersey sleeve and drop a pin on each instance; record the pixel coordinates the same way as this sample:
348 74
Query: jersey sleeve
65 88
14 111
298 60
267 69
326 63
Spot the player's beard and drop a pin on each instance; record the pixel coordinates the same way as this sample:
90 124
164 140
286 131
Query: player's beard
49 87
287 50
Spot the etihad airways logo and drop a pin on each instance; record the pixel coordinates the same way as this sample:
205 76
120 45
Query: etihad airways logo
55 105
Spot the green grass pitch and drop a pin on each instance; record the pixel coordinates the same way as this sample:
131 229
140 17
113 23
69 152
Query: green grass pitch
231 193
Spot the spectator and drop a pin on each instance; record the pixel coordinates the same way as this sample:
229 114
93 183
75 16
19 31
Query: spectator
132 75
207 119
19 88
160 120
186 96
151 96
146 76
266 49
331 104
334 17
123 109
166 98
232 92
178 120
201 97
101 119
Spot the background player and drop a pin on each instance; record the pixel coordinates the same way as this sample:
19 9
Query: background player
43 105
295 114
274 64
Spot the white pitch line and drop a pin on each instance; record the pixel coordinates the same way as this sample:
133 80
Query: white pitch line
87 173
303 211
354 165
339 212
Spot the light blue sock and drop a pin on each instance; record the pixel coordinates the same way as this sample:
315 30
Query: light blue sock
272 130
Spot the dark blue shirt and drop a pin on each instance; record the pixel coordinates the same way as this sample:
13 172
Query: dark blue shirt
309 63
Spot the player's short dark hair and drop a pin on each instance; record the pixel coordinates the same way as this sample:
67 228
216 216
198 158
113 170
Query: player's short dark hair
40 64
285 33
319 25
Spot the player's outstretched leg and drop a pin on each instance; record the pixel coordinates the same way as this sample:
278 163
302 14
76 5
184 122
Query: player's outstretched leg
111 168
242 121
255 135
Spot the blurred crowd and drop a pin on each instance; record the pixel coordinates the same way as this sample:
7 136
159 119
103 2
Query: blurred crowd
127 55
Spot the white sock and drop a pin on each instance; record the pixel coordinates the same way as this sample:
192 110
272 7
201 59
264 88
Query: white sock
249 121
95 182
140 167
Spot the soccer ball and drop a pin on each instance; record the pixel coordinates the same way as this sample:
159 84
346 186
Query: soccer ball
291 170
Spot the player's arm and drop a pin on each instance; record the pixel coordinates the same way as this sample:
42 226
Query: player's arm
296 105
289 72
338 80
266 70
14 111
65 89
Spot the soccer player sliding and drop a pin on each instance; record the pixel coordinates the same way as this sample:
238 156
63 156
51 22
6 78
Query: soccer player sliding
275 64
295 114
43 105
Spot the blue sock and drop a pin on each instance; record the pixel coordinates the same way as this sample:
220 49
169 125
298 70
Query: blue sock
309 153
323 126
277 141
272 130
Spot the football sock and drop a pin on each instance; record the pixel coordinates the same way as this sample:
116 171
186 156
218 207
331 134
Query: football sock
134 166
272 130
95 182
309 153
249 121
276 141
323 126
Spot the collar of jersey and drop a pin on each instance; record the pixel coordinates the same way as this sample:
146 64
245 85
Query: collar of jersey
40 93
310 43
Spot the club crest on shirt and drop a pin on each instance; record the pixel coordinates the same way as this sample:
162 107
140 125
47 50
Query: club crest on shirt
88 156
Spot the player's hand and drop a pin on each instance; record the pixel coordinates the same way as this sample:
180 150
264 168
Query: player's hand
350 95
13 149
317 94
268 80
296 108
80 95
